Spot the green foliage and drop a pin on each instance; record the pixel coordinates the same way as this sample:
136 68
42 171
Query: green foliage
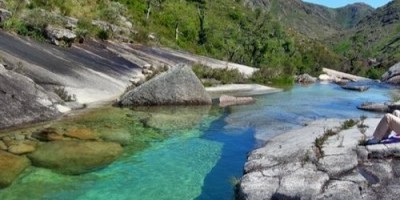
103 34
64 95
20 27
348 124
225 30
225 76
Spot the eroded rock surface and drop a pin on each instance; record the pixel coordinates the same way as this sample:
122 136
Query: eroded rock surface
290 166
23 101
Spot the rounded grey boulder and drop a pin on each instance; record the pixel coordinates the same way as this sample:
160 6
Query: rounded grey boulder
178 86
392 75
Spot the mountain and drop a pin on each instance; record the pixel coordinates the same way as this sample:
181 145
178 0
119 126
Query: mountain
314 21
379 33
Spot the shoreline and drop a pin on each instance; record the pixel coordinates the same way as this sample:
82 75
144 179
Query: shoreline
289 166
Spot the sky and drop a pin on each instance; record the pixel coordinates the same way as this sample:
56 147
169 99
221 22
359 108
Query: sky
341 3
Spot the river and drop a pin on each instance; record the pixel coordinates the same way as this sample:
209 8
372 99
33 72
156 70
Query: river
201 161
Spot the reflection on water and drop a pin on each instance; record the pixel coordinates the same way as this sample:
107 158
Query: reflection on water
188 153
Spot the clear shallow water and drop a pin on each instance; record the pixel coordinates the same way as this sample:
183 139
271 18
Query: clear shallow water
199 163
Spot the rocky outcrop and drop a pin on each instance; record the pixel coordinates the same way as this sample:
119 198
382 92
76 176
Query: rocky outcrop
4 15
75 157
305 79
178 86
292 166
392 76
60 36
23 101
10 167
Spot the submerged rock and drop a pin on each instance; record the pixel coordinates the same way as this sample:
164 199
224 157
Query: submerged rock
81 133
226 100
178 86
75 157
21 148
356 88
10 167
173 117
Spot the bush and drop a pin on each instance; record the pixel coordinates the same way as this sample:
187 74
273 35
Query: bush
63 94
225 76
272 76
103 34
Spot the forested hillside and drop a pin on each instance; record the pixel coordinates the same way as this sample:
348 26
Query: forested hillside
281 37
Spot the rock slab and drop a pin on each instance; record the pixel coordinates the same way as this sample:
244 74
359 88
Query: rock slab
23 101
10 167
178 86
75 157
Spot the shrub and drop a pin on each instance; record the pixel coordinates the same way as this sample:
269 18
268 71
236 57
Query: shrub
103 34
225 76
63 94
348 124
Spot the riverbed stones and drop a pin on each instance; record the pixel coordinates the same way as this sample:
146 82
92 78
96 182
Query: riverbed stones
3 146
21 148
75 157
178 86
47 134
81 133
10 167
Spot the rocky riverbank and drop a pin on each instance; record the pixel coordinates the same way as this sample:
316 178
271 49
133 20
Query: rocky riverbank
313 163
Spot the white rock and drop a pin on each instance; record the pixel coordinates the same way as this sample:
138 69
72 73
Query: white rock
324 77
147 66
63 109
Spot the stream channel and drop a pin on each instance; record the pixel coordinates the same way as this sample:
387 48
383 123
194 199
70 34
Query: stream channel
204 152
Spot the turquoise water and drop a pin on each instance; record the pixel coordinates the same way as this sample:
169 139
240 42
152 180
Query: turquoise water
203 162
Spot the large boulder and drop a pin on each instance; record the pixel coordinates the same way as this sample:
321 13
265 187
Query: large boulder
75 157
60 36
23 101
4 15
305 79
392 75
178 86
10 167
